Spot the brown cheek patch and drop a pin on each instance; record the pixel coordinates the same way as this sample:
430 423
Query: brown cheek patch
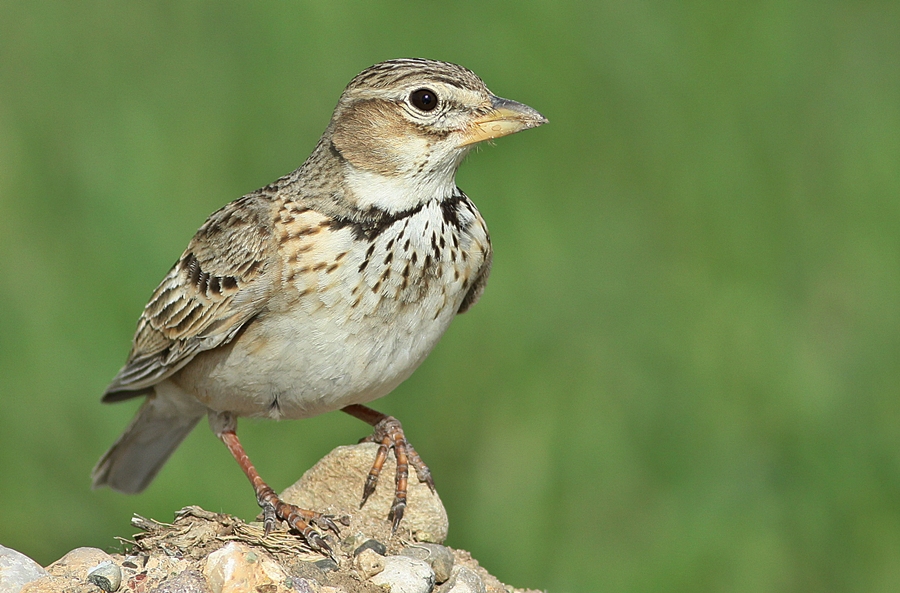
367 133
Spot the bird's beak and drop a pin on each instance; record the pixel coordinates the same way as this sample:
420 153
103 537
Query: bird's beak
505 117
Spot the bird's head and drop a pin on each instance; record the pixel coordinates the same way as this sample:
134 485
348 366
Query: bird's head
415 120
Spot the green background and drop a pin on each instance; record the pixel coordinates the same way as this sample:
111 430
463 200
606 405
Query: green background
684 373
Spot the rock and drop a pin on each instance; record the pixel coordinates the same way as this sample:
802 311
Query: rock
463 580
304 586
371 544
439 557
335 485
351 542
17 569
308 571
405 575
79 562
70 573
205 552
326 565
238 568
147 572
368 563
107 576
187 581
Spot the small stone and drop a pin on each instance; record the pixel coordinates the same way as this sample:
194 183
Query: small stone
17 569
70 573
106 575
405 575
368 563
423 536
439 557
156 569
371 544
463 580
306 570
238 568
187 581
352 542
303 585
79 562
326 565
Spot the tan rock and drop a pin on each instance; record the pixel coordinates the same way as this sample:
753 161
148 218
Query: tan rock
335 485
238 568
368 563
70 573
188 581
79 562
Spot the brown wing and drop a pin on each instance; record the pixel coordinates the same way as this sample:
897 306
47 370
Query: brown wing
216 287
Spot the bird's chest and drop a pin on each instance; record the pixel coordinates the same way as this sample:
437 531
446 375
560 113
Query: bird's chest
424 260
363 307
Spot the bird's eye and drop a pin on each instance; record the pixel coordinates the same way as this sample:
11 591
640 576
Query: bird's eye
424 99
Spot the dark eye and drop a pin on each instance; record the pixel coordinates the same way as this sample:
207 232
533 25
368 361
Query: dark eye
423 99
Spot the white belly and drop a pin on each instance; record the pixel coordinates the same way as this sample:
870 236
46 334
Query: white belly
340 336
310 364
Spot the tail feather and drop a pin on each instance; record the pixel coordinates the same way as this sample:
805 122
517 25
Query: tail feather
140 452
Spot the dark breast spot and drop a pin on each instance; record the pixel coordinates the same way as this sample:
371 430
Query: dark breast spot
369 224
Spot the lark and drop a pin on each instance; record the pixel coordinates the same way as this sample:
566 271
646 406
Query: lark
323 290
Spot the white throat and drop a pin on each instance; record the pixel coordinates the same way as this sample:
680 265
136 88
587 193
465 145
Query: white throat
397 193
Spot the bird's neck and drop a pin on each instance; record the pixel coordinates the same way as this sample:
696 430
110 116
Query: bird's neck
329 177
396 193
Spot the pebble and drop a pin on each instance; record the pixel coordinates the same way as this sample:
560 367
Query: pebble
79 562
187 581
304 586
405 575
368 563
326 565
17 569
238 568
371 544
439 557
106 575
70 573
307 571
463 580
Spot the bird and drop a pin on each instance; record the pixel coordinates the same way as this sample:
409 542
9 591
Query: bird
323 290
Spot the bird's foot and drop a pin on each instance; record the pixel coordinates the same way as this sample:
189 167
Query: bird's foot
299 519
389 434
274 509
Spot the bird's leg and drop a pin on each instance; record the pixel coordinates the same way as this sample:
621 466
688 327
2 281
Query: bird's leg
274 509
388 434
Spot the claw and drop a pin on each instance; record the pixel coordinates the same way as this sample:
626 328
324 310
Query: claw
270 519
396 514
424 475
318 543
327 522
368 489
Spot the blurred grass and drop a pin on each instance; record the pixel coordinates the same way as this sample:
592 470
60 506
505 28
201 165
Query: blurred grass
683 375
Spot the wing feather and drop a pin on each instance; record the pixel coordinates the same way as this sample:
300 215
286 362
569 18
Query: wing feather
218 284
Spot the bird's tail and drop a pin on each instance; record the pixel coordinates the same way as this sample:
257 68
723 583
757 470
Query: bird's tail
159 426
